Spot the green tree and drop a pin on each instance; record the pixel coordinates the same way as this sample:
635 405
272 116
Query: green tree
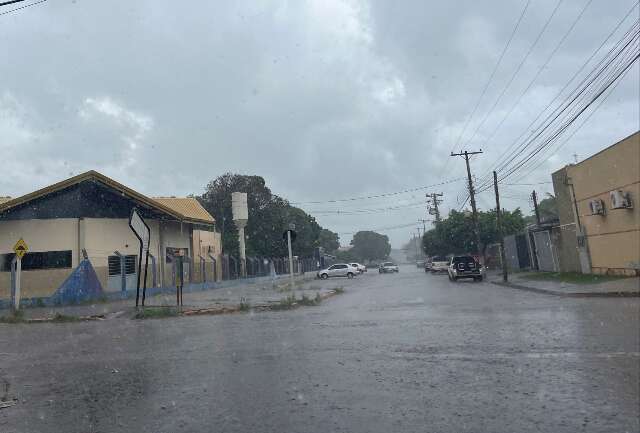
368 245
454 234
328 240
269 217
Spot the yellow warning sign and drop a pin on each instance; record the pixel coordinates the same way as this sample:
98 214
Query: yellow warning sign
20 248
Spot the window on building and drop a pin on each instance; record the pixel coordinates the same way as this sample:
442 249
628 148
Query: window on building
38 260
129 264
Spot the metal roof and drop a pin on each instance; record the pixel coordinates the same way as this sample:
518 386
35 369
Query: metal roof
94 175
187 206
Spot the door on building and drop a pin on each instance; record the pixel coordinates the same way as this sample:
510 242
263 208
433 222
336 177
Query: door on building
544 251
114 279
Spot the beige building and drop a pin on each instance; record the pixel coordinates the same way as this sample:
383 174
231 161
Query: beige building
598 204
89 214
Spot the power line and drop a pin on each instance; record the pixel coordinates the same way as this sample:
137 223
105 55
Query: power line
517 71
381 229
379 195
589 84
365 211
486 86
505 154
563 143
567 124
21 7
540 70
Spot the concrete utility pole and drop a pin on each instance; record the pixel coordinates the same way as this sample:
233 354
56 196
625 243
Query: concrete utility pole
503 255
291 280
433 198
240 218
535 206
424 225
472 196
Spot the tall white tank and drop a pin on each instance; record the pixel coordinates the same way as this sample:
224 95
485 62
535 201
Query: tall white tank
239 207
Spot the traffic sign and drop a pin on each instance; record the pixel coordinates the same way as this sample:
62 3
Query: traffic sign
140 228
20 248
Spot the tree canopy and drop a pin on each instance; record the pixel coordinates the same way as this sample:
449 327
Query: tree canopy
269 216
368 245
454 234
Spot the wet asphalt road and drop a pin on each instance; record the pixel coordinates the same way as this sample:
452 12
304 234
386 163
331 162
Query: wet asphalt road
396 353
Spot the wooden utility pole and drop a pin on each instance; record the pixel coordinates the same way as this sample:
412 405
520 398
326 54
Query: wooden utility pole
472 196
503 254
535 206
433 197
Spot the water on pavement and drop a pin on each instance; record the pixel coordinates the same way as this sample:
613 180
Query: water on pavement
395 353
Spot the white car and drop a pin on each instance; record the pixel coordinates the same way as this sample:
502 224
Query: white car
439 264
388 267
359 267
337 270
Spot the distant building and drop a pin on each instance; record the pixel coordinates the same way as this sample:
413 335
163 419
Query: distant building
598 203
89 214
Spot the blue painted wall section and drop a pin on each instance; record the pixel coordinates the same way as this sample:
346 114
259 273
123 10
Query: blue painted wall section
81 285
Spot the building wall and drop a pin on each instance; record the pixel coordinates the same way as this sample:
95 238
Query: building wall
40 236
100 237
614 238
566 234
205 243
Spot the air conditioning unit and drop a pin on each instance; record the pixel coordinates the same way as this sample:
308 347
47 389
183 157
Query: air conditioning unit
620 199
597 207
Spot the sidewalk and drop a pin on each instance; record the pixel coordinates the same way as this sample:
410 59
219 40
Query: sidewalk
225 299
623 287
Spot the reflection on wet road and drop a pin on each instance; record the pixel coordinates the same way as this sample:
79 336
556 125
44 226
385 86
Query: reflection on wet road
396 353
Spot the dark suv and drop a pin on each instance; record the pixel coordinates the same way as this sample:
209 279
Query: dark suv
465 267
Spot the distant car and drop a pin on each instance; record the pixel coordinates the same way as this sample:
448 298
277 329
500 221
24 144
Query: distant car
388 267
337 270
419 263
427 265
465 267
359 267
439 264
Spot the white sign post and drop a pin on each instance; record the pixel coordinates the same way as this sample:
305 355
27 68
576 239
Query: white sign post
20 249
142 232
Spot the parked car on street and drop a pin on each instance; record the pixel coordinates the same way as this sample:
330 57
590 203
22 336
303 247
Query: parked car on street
439 264
419 263
427 264
337 270
388 267
465 267
359 267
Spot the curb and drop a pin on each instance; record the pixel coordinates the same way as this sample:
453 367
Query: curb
570 294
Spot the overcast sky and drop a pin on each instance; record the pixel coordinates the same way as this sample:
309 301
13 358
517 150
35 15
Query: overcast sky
325 99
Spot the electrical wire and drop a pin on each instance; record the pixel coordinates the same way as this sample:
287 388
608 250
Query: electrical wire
379 195
506 153
516 72
22 7
486 86
586 119
382 229
538 73
580 91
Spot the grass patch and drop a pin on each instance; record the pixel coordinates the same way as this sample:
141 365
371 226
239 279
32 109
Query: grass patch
156 312
64 318
339 290
571 277
285 303
13 317
312 302
244 305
